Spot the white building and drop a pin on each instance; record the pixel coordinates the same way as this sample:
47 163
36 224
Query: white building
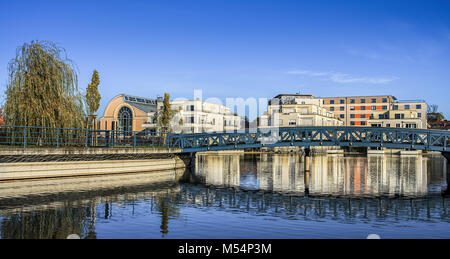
198 117
294 110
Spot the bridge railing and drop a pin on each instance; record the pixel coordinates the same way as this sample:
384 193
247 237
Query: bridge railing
437 140
27 137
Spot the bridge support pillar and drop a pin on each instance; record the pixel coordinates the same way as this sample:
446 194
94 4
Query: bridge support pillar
193 157
447 156
446 192
307 168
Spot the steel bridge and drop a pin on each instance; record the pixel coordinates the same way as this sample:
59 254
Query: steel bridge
395 138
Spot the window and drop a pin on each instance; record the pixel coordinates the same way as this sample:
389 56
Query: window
388 125
331 108
342 108
352 116
397 125
342 116
381 116
363 108
363 100
363 123
374 100
352 100
407 107
395 107
374 108
399 116
418 107
125 120
352 108
384 107
292 122
419 115
342 101
384 100
331 101
352 123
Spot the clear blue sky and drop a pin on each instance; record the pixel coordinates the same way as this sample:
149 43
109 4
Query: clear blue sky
244 48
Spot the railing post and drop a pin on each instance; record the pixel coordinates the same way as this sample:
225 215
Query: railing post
107 138
24 137
87 136
134 140
167 140
57 138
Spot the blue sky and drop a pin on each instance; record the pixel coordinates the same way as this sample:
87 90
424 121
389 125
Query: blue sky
243 48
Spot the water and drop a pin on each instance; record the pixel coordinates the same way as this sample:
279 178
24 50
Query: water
240 196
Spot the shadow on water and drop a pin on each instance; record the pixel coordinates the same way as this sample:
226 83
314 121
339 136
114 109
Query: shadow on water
341 189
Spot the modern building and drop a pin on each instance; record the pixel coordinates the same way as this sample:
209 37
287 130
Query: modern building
396 119
128 113
293 110
357 110
195 116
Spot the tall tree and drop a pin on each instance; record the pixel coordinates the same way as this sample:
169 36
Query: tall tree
92 95
42 88
164 117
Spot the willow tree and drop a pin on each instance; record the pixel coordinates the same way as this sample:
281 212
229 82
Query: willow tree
42 89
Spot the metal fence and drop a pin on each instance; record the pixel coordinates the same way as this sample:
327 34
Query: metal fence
23 136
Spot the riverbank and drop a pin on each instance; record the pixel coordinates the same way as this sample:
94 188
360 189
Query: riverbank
37 163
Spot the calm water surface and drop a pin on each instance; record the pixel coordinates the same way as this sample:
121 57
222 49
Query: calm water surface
240 196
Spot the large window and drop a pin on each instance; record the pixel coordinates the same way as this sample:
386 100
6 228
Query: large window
125 120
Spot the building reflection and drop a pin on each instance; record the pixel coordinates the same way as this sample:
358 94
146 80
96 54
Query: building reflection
332 174
218 170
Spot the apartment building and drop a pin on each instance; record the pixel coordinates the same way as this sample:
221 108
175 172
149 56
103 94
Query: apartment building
357 110
195 116
396 119
293 110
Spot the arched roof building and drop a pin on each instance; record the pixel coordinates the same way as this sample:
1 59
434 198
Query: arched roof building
126 112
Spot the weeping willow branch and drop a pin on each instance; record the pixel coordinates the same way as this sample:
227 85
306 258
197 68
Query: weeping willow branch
42 89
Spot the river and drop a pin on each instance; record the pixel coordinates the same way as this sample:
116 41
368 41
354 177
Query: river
240 196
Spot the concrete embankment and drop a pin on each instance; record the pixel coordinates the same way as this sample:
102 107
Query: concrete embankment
19 164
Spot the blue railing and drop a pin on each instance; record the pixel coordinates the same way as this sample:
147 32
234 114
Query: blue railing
24 136
396 138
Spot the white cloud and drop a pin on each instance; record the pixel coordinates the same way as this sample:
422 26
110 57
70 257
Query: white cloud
343 78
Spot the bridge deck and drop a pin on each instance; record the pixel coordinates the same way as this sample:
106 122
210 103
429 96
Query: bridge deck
411 139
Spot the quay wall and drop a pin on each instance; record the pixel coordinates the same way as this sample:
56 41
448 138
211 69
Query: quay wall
34 163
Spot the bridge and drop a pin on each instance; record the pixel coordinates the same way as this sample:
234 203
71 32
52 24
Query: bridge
394 138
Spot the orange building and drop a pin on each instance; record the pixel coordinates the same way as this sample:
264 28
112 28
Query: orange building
127 113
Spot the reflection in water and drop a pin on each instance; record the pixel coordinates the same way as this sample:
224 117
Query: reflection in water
232 196
375 175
